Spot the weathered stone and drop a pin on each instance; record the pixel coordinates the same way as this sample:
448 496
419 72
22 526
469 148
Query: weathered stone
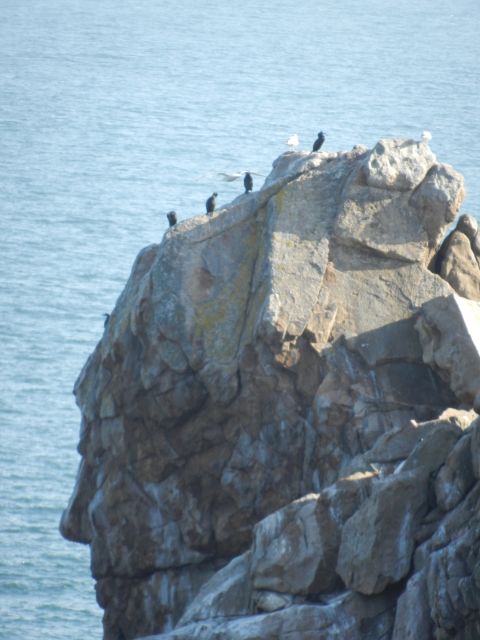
139 607
378 540
398 444
271 601
452 526
438 198
432 450
399 165
476 448
460 267
412 618
226 594
251 357
450 337
454 595
295 549
458 259
349 616
456 476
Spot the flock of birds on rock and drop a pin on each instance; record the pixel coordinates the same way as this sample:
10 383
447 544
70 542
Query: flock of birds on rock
292 142
211 202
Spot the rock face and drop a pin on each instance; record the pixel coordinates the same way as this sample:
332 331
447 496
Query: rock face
266 447
459 258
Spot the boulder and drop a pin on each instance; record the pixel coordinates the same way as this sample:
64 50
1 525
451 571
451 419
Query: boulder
226 594
432 450
412 617
449 330
335 620
295 549
377 542
458 260
399 165
456 476
460 267
398 444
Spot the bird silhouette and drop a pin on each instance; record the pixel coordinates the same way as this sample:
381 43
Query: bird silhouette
211 203
319 141
248 182
172 218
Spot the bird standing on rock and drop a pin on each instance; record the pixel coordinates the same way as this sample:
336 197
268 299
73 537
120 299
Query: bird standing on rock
211 203
319 141
293 141
248 182
172 218
426 136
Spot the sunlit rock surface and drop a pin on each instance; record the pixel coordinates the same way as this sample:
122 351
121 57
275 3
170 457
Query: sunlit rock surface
274 420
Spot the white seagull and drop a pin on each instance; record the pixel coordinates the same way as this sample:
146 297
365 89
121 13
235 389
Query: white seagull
293 141
236 175
426 136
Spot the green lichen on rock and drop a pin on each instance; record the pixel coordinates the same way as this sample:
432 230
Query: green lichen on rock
217 321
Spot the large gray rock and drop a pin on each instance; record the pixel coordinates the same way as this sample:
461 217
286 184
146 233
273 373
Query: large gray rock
398 444
378 540
456 476
458 260
250 358
226 594
295 549
450 560
412 618
399 165
336 620
432 450
449 330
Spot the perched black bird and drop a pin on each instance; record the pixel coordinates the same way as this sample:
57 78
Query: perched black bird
211 203
248 182
107 318
319 141
172 218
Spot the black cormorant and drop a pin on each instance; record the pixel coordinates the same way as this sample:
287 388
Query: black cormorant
248 182
172 218
319 141
211 203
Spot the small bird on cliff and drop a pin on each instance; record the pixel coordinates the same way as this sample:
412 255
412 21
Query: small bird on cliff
317 145
211 203
172 218
293 141
426 136
248 182
107 318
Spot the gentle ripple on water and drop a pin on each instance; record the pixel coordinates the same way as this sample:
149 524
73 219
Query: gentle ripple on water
112 114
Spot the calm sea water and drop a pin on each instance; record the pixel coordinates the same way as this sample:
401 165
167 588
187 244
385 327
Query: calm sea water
113 112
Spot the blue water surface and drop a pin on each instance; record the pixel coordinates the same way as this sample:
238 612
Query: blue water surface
114 112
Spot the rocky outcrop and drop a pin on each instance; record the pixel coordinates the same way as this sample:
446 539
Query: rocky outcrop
271 440
458 260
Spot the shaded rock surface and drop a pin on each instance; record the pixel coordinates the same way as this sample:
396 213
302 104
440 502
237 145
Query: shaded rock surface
272 430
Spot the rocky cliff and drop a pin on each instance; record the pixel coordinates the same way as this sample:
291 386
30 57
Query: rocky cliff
278 432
